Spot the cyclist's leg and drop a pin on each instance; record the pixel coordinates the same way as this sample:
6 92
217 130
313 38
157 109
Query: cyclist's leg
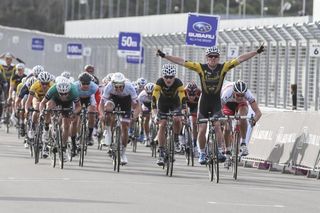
243 111
91 116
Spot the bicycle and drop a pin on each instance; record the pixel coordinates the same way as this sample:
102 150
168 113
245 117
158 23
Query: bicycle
211 148
234 123
153 134
29 139
83 135
115 146
187 135
55 145
170 145
39 146
20 126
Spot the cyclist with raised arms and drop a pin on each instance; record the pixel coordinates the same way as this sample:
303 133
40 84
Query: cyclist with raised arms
118 92
235 97
211 76
168 95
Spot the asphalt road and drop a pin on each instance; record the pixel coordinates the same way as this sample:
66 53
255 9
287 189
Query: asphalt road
142 186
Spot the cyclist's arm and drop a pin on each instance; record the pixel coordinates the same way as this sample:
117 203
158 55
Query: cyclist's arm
28 103
247 56
77 107
182 96
256 110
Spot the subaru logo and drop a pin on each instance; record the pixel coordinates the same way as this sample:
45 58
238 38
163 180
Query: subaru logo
202 27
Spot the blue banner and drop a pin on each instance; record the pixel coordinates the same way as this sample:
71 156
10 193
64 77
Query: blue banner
37 44
129 41
74 50
202 30
133 59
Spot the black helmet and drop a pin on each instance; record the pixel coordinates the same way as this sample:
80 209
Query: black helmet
240 87
85 78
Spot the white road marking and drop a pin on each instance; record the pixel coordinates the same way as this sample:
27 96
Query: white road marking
247 204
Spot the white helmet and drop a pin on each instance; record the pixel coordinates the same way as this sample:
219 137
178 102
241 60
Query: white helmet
66 74
37 70
109 76
149 87
118 78
240 87
45 77
63 84
168 70
142 82
212 50
20 66
8 55
30 81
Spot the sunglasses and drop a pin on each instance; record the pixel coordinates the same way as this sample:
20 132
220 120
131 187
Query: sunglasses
168 77
63 94
85 83
118 87
44 83
149 93
213 56
239 95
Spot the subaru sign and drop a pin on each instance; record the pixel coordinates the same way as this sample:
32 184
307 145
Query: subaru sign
74 50
129 44
37 44
202 30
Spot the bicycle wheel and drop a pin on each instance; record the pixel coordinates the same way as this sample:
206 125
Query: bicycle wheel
189 146
118 143
153 143
215 163
59 145
168 152
235 155
135 136
7 120
30 143
37 142
82 144
171 154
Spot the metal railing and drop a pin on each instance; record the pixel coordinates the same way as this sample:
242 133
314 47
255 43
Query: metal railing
287 59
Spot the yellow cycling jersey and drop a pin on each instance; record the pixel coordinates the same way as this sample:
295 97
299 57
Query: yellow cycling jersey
168 94
7 71
38 91
211 80
19 87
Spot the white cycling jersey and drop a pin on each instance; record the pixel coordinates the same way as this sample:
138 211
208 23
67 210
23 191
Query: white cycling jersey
144 98
227 95
128 90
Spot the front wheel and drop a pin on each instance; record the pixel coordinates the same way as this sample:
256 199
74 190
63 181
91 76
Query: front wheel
235 155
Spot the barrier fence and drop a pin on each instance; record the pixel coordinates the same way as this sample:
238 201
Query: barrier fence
287 139
291 58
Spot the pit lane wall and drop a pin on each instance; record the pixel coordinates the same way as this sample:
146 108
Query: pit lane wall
288 138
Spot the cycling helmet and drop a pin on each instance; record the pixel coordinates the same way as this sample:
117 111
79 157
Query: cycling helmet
45 77
109 76
240 87
149 87
85 78
168 70
191 87
66 74
118 78
8 55
30 81
89 67
20 66
37 69
63 85
212 50
141 82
